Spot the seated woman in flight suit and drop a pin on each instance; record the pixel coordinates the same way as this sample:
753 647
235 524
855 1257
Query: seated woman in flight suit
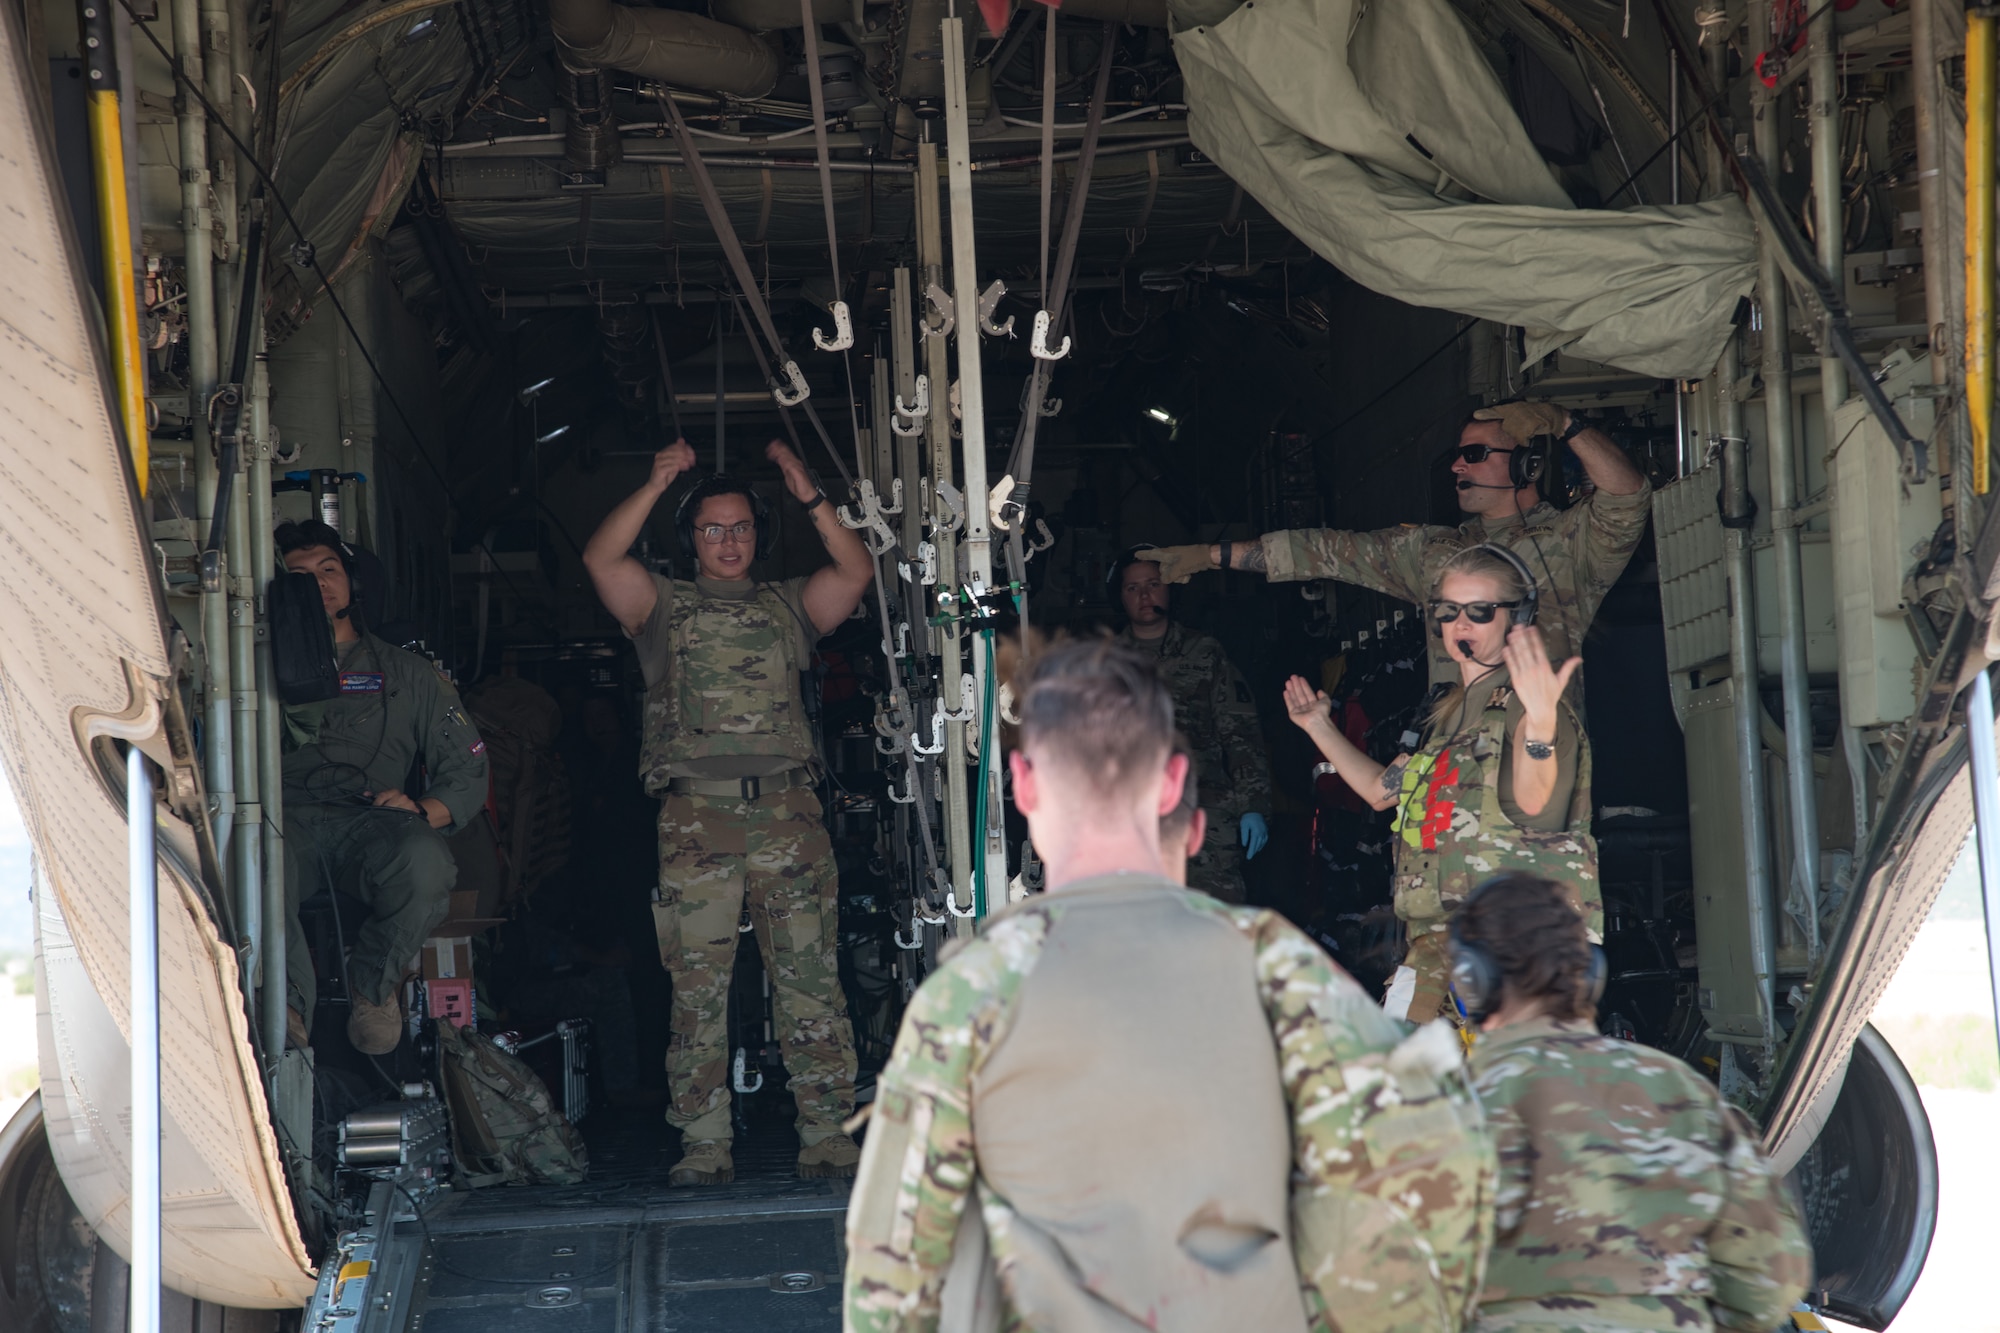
1500 781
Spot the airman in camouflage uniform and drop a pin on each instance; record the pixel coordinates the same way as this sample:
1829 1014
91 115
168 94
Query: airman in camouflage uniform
1631 1196
730 752
1038 1154
1214 708
1575 554
1455 826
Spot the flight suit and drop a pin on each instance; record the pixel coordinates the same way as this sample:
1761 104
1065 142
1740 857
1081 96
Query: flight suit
1631 1196
1125 1105
1575 554
729 751
1214 710
1456 824
394 712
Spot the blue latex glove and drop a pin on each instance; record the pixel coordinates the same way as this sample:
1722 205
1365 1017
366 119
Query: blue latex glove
1254 833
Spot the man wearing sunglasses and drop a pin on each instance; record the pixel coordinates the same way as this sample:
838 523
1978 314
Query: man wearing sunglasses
1575 554
729 750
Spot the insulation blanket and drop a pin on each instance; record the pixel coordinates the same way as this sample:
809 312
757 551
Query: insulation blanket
1382 138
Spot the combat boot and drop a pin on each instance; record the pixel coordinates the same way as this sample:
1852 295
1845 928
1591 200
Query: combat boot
703 1162
376 1029
833 1157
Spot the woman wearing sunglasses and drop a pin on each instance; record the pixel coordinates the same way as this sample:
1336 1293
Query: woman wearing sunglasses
1500 782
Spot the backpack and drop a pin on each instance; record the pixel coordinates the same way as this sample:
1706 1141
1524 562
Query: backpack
504 1127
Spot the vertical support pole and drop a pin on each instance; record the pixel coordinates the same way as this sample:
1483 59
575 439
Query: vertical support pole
1986 814
943 470
1781 444
1982 54
247 846
1759 905
972 408
269 723
218 78
197 235
142 872
114 221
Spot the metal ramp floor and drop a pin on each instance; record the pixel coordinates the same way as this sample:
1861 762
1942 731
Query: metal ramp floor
623 1253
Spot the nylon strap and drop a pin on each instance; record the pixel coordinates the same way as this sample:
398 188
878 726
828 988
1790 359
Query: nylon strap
819 139
1048 148
746 281
785 413
666 371
1021 463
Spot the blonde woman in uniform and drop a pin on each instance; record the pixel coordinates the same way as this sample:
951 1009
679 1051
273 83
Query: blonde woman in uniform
1500 781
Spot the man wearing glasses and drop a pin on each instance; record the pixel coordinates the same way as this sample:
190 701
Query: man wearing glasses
730 751
1575 554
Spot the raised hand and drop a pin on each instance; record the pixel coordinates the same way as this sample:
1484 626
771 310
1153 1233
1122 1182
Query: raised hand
1307 706
669 463
798 480
1537 685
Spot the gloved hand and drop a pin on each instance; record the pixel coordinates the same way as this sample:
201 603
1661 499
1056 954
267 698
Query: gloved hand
1177 564
1524 421
1253 832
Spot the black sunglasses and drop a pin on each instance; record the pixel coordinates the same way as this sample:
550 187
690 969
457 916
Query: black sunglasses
1479 613
1478 453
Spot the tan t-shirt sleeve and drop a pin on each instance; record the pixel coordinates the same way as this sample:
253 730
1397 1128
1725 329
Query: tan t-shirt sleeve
1554 817
651 642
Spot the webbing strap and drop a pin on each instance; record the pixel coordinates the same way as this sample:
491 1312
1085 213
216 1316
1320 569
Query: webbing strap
666 371
819 139
785 412
746 281
1048 147
1021 463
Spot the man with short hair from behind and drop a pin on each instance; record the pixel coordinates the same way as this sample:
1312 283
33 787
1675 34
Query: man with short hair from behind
1631 1195
1126 1105
1183 827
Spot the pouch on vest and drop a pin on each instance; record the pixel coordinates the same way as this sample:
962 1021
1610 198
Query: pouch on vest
301 641
505 1129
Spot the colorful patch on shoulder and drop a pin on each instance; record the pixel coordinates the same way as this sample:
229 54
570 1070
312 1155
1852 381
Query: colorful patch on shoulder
479 747
360 682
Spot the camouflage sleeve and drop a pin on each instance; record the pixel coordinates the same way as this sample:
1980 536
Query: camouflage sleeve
1389 560
1757 1250
454 755
1608 531
1393 1173
1242 738
918 1162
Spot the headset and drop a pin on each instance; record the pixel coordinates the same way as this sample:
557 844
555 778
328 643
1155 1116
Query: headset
1476 978
314 532
724 484
1529 462
1123 561
1531 597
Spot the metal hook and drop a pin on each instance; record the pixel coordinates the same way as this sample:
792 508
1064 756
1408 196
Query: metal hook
950 507
800 389
989 301
910 799
1007 706
997 511
739 1073
917 937
951 905
843 330
1042 542
1038 342
922 406
924 573
968 695
947 313
937 737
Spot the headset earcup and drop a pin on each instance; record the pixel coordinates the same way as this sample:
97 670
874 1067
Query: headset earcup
1598 975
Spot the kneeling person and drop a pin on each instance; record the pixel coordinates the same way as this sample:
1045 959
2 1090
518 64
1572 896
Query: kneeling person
729 750
1127 1105
1631 1195
349 825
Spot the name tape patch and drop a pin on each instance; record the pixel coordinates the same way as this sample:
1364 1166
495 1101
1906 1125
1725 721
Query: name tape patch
360 682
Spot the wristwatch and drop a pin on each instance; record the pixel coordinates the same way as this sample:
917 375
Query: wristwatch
1539 749
1578 424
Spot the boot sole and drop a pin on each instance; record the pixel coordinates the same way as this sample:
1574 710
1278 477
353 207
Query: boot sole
681 1179
825 1171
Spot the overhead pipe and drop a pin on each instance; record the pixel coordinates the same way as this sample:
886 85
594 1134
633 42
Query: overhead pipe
1782 462
682 49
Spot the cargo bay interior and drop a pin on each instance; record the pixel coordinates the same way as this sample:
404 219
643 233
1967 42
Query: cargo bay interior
485 283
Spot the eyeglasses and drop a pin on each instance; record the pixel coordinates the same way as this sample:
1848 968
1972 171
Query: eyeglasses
1478 453
713 533
1479 613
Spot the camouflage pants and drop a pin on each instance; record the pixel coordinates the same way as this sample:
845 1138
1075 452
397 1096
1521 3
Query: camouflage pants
1218 870
716 853
1429 959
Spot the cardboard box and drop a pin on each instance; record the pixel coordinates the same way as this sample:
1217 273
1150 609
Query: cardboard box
448 958
452 1001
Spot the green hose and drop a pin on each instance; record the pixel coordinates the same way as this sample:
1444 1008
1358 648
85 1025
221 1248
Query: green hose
985 757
